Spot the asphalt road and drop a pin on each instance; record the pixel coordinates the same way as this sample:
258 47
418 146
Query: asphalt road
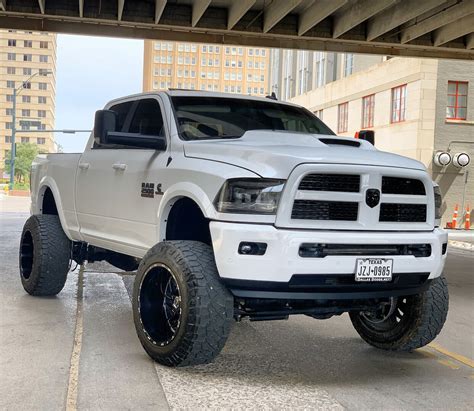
79 351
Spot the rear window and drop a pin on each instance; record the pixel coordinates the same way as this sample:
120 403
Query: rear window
220 117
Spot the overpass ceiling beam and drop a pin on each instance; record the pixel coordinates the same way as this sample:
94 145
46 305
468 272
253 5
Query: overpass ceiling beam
199 7
120 5
397 15
316 13
359 12
454 30
81 8
41 5
237 10
159 7
447 16
277 10
3 5
470 41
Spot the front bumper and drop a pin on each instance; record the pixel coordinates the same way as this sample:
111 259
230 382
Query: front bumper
281 263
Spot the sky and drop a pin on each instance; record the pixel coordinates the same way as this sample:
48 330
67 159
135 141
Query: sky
91 71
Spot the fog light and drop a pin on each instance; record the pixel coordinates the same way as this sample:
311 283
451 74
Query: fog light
248 248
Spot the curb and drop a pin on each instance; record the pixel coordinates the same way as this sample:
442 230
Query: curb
461 244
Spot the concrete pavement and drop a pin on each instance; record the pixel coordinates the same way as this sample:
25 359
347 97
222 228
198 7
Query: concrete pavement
85 339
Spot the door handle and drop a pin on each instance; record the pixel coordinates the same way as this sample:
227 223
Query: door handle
84 166
119 166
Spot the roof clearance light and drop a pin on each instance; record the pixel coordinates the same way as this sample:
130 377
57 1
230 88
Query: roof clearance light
442 158
461 159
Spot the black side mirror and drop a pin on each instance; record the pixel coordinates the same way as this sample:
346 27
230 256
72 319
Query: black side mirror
367 135
105 121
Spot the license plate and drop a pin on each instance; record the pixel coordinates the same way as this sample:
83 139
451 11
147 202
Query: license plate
374 269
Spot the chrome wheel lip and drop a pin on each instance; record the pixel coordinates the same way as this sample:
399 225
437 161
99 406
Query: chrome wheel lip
148 336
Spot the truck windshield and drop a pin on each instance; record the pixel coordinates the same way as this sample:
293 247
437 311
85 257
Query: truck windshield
221 117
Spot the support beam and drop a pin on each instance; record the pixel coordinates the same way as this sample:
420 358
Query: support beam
454 30
397 15
275 11
449 15
41 5
470 41
159 7
3 5
81 8
358 13
199 7
316 13
237 10
120 5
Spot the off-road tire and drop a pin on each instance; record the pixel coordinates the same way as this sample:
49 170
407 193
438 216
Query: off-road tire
206 305
423 320
44 255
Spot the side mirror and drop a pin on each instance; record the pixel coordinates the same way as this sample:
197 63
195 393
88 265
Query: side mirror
367 135
105 122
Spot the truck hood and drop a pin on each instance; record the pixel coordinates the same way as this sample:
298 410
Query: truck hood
274 154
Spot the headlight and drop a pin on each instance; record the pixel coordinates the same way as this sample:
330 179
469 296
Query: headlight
250 196
438 201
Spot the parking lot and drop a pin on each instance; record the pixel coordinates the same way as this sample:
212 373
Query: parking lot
79 351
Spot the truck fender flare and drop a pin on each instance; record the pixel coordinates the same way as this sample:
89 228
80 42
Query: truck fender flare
45 183
176 192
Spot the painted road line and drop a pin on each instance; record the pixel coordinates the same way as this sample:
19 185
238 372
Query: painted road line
458 357
114 372
248 374
71 398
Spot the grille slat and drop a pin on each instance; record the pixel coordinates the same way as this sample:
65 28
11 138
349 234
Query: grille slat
325 210
331 182
402 185
402 213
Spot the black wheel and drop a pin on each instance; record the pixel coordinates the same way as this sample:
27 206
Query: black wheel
182 312
44 255
406 323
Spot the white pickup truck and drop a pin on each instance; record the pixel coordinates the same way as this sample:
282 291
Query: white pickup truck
233 207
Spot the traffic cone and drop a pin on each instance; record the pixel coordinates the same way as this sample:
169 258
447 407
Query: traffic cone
467 222
455 217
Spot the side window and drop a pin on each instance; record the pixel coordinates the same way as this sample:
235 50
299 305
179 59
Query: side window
122 110
147 119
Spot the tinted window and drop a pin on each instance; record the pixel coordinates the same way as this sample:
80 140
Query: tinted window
122 110
147 118
217 117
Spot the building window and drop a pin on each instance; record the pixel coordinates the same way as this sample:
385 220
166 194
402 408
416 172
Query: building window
9 98
43 86
8 139
9 111
11 43
41 140
10 84
26 99
27 85
456 108
41 100
342 117
399 95
11 70
368 103
25 112
43 58
27 43
27 71
319 114
25 140
9 125
11 56
348 64
43 44
41 113
27 57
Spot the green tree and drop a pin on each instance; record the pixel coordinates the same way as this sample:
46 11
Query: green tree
25 154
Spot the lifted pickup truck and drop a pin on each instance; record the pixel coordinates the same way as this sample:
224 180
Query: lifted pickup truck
235 207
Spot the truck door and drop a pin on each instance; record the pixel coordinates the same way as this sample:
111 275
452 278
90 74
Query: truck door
137 175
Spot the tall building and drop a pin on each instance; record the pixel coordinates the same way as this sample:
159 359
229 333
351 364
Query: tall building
22 55
416 107
209 67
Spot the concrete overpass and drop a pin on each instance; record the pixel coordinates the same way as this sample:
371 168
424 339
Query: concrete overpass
424 28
